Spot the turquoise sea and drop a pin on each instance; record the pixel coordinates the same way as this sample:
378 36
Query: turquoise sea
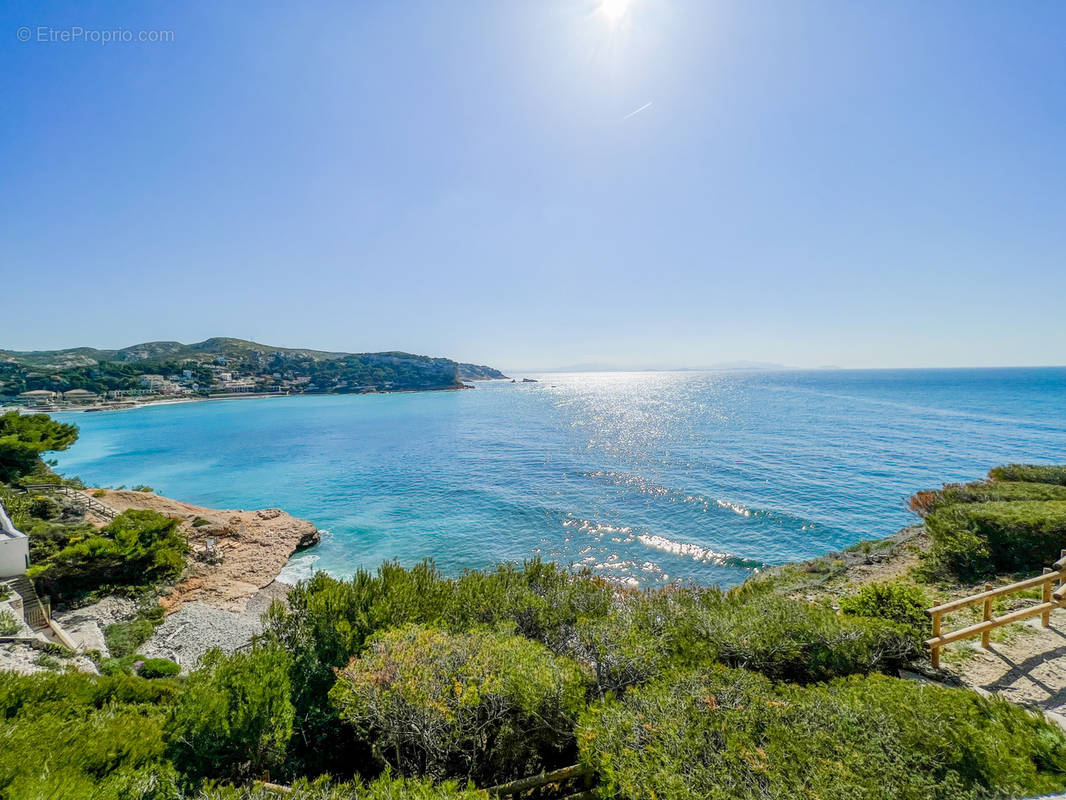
646 477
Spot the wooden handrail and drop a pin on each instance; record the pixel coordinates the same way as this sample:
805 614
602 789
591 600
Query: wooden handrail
1050 600
988 594
88 502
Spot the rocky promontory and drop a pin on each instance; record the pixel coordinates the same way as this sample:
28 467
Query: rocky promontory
235 554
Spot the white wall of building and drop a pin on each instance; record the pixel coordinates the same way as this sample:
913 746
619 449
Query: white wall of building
14 548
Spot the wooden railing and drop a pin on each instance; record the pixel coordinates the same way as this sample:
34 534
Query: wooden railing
1050 600
84 500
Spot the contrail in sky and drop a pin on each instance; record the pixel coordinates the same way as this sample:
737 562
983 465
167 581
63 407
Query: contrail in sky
637 111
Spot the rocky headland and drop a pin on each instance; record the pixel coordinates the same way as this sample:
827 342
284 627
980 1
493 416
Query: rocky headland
235 554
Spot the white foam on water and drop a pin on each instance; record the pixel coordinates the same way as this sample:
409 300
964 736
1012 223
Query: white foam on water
736 508
693 551
301 567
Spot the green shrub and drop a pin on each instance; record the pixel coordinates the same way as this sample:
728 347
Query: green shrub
1030 473
628 647
76 737
123 638
903 603
136 550
782 638
158 668
625 639
483 706
43 507
925 503
154 613
98 493
732 735
980 539
328 621
199 522
47 661
143 488
9 624
233 720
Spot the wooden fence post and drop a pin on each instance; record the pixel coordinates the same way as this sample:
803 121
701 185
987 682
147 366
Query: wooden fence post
936 632
1045 618
986 636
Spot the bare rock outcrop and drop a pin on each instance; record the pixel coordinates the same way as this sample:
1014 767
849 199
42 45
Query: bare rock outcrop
235 553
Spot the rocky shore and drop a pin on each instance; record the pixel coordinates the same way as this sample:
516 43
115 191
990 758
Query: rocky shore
235 554
229 583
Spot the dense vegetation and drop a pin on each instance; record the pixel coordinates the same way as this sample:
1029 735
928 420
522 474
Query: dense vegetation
24 437
1015 522
71 559
137 549
727 734
481 705
407 674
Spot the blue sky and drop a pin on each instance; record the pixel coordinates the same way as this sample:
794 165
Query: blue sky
847 183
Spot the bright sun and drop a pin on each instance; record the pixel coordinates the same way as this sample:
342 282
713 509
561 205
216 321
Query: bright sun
614 10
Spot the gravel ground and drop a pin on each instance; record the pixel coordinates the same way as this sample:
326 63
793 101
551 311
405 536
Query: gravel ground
190 632
86 625
22 658
106 612
1028 668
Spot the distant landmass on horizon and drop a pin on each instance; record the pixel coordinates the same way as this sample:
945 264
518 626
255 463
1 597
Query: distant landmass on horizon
225 365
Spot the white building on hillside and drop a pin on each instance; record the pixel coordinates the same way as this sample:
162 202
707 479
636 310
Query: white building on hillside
38 396
79 396
14 548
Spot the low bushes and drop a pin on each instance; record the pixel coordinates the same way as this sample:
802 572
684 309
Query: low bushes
9 625
925 503
1032 473
77 737
123 638
234 717
731 734
328 622
782 638
902 603
979 539
624 639
384 788
158 668
484 706
136 550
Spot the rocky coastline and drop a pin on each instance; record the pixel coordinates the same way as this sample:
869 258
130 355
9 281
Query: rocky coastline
235 554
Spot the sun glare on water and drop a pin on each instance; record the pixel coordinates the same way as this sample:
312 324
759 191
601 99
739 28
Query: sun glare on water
615 10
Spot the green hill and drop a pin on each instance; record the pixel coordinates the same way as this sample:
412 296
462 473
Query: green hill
221 364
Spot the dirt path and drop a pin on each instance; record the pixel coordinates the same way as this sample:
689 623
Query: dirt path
1028 668
1025 664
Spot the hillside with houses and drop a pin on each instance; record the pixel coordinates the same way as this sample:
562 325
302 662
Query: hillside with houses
217 366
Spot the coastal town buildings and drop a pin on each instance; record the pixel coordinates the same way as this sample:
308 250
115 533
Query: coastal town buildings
38 397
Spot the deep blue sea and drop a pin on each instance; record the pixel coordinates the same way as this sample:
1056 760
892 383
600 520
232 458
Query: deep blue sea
646 477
